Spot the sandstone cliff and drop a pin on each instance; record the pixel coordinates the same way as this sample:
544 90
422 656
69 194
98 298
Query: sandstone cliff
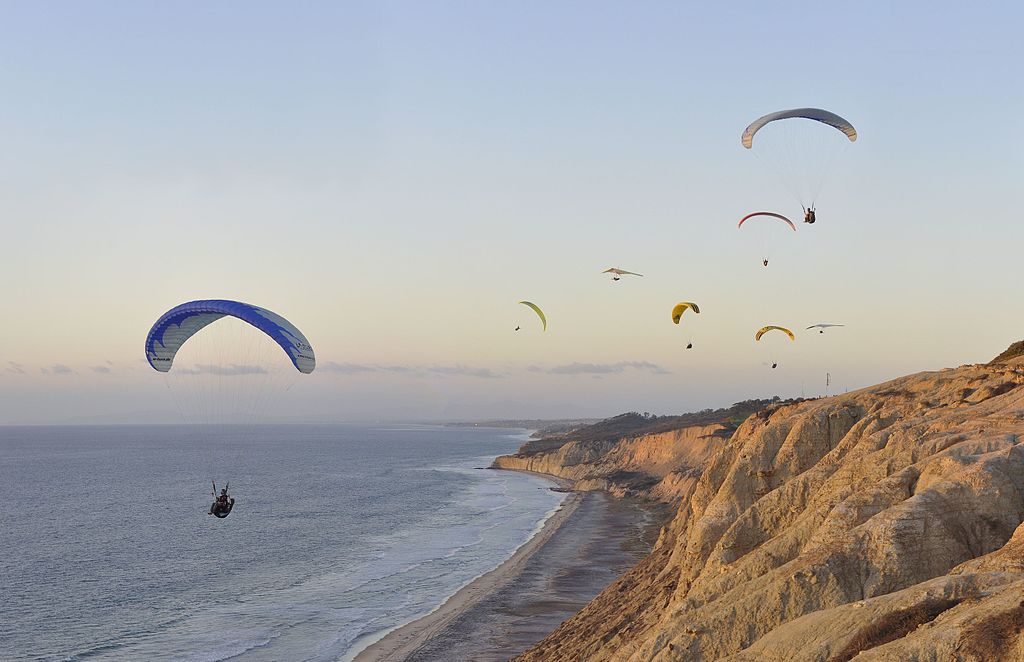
663 466
635 455
883 524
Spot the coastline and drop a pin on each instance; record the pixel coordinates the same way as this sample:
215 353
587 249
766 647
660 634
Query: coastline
605 537
399 643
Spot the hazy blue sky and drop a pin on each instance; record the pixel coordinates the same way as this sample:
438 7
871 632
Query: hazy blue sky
393 176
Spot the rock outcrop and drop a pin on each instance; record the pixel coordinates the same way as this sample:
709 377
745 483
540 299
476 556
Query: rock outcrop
664 466
639 455
883 524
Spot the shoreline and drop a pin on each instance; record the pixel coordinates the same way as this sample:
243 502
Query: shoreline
400 642
603 539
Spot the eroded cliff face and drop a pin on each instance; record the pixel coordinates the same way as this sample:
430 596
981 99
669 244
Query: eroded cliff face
884 524
664 466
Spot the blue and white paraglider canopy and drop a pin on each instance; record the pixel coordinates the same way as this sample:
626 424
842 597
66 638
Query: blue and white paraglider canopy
180 323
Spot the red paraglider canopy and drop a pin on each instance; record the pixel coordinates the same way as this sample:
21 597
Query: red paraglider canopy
767 213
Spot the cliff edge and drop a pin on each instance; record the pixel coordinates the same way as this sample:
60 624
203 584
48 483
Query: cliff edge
883 524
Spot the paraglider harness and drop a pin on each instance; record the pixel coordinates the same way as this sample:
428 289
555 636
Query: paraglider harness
222 504
809 215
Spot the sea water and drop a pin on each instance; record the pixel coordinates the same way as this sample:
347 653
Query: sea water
338 533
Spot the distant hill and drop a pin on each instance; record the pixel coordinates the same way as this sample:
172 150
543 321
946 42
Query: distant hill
543 426
635 424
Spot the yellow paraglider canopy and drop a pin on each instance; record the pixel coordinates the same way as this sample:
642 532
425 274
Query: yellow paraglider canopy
540 313
766 329
682 307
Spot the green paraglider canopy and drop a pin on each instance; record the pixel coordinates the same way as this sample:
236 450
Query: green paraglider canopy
540 313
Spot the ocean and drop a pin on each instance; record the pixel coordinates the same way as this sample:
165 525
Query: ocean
338 534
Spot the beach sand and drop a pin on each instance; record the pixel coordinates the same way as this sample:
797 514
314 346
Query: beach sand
582 548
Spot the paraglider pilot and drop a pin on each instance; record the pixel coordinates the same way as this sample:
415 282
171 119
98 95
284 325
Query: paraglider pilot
809 215
223 503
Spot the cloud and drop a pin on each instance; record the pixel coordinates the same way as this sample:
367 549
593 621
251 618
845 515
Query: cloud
231 370
597 370
102 369
15 368
414 371
465 371
346 368
602 368
57 369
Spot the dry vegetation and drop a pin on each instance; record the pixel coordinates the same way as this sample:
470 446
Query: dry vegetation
892 626
994 637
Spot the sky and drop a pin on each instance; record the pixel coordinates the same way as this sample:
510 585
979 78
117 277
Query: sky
392 177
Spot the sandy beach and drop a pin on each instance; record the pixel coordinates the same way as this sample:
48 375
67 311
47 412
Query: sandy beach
590 541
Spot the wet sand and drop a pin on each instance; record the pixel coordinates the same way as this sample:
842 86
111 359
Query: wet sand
580 550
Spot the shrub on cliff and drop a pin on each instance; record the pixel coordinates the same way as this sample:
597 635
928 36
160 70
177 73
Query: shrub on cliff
1012 352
